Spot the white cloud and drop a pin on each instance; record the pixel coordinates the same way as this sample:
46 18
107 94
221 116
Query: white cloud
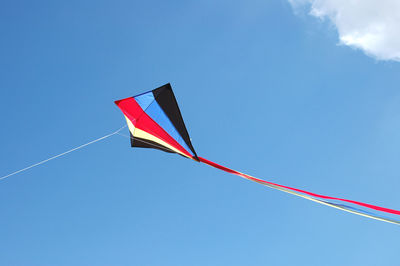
370 25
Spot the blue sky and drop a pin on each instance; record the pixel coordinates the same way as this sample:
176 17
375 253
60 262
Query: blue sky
262 90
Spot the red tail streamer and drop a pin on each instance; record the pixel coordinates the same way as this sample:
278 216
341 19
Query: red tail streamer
231 171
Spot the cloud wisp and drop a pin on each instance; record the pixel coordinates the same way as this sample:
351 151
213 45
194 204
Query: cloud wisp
370 25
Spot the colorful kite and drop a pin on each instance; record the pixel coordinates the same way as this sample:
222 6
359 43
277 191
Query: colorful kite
155 121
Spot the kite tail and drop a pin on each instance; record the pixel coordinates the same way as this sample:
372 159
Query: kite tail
358 208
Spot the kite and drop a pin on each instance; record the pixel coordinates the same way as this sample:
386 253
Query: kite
155 121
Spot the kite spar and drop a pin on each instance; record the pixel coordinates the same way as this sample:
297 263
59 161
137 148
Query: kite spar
155 121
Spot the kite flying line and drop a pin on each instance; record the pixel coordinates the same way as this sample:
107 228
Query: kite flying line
62 154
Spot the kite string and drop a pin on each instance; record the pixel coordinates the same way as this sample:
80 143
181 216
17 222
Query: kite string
61 154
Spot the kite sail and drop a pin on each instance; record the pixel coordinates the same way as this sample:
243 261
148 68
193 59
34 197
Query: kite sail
155 121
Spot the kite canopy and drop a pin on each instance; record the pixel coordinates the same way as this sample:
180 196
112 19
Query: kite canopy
155 121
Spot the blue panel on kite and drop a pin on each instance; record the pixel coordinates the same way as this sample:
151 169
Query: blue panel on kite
158 115
145 99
